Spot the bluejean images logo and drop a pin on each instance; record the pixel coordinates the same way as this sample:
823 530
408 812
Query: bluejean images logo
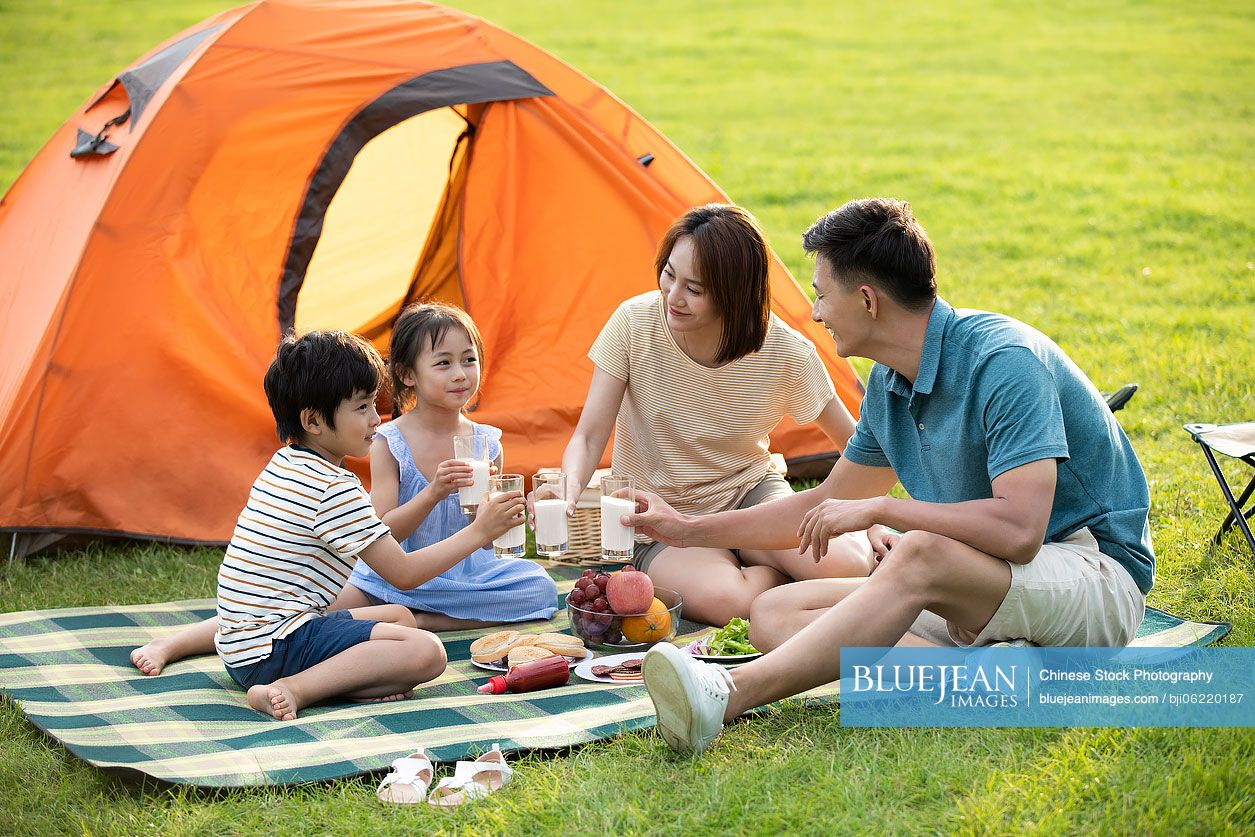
958 685
1028 686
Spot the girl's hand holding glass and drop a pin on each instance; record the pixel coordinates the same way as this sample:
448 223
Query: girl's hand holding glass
499 513
450 475
513 542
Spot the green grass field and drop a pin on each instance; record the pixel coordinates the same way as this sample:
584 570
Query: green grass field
1083 166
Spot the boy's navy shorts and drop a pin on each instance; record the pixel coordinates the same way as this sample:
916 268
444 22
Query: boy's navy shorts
317 640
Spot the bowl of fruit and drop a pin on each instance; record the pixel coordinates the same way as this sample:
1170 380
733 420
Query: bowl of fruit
622 611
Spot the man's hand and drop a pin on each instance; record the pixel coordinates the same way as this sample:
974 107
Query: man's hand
882 541
657 520
830 519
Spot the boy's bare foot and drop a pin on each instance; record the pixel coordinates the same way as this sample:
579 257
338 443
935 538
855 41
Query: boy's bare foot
386 698
151 658
275 700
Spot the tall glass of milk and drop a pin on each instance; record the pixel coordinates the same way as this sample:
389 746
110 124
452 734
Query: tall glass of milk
513 543
549 509
618 497
473 450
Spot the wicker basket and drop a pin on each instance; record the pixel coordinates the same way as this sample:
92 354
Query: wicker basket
584 528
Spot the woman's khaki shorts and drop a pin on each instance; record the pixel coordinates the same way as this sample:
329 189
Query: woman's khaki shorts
1070 594
769 488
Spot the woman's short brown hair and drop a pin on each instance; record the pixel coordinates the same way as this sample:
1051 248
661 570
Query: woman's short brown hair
731 258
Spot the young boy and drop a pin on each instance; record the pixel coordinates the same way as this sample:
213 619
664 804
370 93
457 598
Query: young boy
306 522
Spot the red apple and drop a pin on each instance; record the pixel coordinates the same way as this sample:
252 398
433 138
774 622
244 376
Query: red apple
630 592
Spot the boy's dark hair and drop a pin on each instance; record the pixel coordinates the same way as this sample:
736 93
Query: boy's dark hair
731 257
317 371
419 324
878 240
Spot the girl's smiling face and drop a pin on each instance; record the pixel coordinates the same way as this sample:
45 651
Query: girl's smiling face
446 374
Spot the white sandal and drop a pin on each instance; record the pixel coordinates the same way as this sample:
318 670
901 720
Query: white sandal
472 780
408 782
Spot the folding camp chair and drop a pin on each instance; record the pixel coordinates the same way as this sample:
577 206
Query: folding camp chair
1237 441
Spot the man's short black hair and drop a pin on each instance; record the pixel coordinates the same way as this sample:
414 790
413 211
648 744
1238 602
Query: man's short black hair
879 241
317 371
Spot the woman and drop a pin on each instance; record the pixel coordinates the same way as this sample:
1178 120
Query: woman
693 377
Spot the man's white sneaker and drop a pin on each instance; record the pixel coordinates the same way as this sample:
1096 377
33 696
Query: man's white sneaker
689 697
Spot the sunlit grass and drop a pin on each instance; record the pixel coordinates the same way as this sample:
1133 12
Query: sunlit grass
1083 166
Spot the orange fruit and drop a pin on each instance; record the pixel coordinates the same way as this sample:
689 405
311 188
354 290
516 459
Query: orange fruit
653 626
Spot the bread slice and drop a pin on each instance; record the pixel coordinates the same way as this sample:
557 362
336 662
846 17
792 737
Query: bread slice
563 644
489 649
527 653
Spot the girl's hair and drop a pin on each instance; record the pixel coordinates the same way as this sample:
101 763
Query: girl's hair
422 324
731 259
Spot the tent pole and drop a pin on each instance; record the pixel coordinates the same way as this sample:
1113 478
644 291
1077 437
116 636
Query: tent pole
12 550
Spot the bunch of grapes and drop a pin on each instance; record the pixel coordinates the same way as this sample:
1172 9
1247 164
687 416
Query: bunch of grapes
593 619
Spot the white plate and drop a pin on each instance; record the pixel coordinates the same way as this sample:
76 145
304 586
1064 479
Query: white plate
584 669
501 667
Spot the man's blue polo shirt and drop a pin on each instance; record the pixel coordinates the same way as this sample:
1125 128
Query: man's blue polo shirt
993 394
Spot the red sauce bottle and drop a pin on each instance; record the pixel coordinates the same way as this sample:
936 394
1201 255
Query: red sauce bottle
530 676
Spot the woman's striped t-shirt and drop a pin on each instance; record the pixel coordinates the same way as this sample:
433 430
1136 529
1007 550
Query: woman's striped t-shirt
294 546
699 436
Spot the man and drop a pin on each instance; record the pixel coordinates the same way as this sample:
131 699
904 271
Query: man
1028 517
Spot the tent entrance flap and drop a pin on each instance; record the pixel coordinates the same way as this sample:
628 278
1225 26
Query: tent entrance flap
437 275
378 225
468 84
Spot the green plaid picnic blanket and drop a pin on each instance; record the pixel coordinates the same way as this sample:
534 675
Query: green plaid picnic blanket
69 671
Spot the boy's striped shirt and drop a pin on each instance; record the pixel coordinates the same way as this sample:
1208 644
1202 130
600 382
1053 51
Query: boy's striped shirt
294 546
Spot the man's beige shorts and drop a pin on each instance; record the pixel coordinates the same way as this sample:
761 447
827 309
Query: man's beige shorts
1069 594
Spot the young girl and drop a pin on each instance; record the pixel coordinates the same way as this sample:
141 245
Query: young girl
434 363
434 359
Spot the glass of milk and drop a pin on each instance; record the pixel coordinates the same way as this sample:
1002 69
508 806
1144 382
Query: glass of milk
473 450
549 510
513 543
618 497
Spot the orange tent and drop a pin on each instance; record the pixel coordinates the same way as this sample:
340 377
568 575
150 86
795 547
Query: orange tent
314 164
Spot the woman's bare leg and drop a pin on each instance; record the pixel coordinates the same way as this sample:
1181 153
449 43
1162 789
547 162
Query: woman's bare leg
849 556
715 586
783 611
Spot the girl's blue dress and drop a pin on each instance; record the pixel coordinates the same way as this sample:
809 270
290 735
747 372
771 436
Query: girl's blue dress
481 586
